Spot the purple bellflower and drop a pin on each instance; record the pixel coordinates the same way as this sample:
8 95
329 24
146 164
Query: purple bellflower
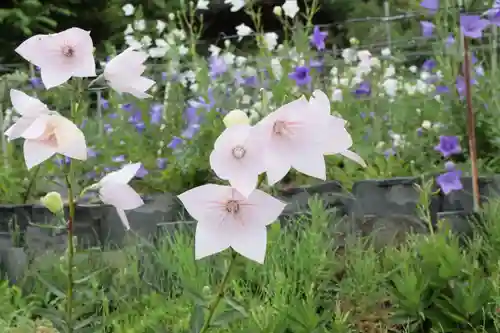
431 5
450 180
473 25
427 28
301 75
448 145
318 38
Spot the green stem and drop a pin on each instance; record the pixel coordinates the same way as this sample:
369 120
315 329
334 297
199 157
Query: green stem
69 292
34 174
220 293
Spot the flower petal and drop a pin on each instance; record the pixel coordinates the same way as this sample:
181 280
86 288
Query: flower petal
26 105
30 49
210 240
123 217
262 209
84 63
241 173
354 157
36 152
70 139
251 242
122 176
320 102
205 203
121 196
18 128
36 128
311 163
53 76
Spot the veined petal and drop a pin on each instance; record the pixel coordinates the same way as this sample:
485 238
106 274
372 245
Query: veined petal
210 239
251 242
311 163
30 49
263 209
121 196
354 157
123 217
36 128
70 139
206 203
26 105
18 128
122 176
53 76
36 152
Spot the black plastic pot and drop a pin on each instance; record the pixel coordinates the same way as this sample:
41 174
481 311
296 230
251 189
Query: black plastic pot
489 187
87 225
15 262
389 197
334 197
143 221
41 240
20 215
459 222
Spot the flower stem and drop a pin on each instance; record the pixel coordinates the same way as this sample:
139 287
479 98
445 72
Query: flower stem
34 175
69 292
220 293
471 126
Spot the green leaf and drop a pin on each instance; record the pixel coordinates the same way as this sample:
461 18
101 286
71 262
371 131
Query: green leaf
235 305
53 289
197 319
227 317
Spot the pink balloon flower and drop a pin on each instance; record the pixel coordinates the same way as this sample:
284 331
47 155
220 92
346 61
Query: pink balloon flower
114 190
51 134
340 140
237 158
60 56
295 136
228 219
29 108
123 73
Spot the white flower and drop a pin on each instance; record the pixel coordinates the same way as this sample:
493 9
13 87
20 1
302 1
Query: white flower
337 95
146 41
386 52
276 68
290 8
132 42
114 190
236 5
157 52
128 9
214 50
364 55
171 16
390 71
129 30
183 50
123 73
349 55
202 4
271 40
140 25
390 86
160 26
413 69
243 30
426 124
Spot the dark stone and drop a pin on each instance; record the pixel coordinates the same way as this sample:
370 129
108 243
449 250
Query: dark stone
460 223
143 220
489 187
389 197
381 230
334 197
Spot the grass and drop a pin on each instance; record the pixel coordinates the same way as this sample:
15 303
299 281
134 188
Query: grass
429 283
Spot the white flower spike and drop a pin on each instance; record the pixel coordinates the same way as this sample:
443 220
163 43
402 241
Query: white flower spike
124 72
114 190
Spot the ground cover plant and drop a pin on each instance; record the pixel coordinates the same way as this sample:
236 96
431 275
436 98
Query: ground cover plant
225 133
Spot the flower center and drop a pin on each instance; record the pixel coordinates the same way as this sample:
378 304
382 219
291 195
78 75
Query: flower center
280 127
49 136
239 152
232 206
68 51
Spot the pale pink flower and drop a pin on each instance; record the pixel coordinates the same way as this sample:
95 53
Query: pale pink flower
60 56
228 219
237 158
340 140
114 190
123 73
51 134
29 108
294 136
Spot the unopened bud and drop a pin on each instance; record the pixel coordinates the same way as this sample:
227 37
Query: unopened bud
236 117
277 11
53 202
